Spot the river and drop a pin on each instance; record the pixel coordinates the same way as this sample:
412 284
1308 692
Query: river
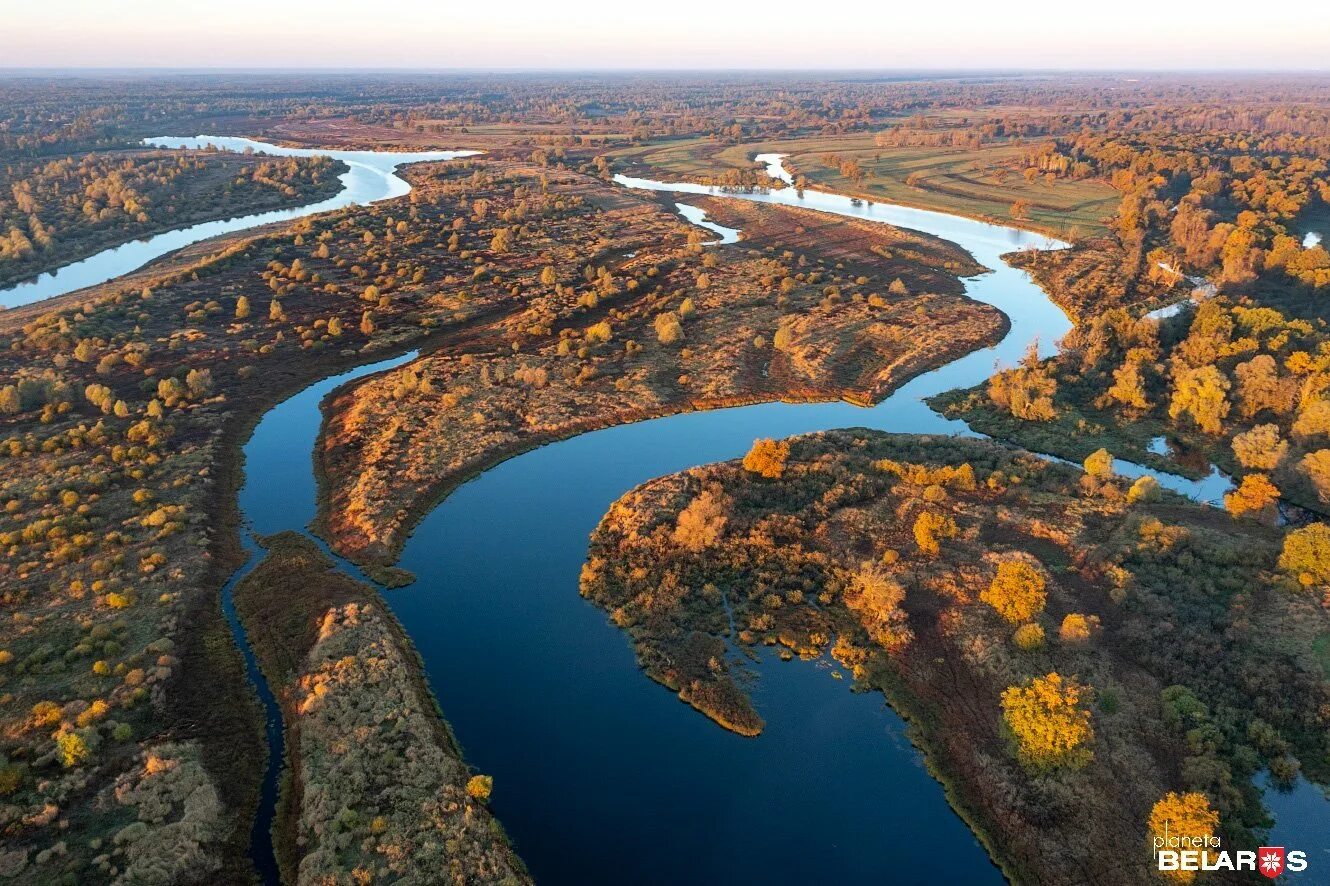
602 776
370 177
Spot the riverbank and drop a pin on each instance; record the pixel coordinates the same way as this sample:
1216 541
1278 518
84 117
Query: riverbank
825 556
343 668
210 187
835 310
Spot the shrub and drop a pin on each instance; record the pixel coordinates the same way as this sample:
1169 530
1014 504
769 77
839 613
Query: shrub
72 749
668 328
479 787
1029 637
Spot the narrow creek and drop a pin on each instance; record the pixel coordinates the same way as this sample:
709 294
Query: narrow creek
602 776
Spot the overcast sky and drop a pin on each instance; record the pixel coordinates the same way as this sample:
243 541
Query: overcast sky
1113 34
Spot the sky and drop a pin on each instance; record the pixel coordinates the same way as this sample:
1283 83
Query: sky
681 34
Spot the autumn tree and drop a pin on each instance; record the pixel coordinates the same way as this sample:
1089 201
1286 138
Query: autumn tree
767 458
1017 590
701 524
1128 388
1145 489
1029 637
1261 448
1026 392
1201 394
876 598
1183 815
1099 464
1077 628
1261 389
1049 719
1315 466
1306 555
1255 497
930 528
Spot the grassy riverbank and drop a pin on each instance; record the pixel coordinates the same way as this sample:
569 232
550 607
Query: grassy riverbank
881 550
353 697
981 183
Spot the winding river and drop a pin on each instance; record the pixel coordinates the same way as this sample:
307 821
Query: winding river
369 178
601 776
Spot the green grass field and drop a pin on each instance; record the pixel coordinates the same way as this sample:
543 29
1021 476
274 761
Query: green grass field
957 180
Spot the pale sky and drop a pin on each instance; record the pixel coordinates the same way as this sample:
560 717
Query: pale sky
586 34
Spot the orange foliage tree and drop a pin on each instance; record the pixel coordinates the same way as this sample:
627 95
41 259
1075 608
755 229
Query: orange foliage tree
1017 591
767 458
1048 718
1183 815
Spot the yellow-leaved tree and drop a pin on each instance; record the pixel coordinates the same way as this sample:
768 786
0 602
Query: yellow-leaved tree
1183 815
1017 591
767 458
1050 722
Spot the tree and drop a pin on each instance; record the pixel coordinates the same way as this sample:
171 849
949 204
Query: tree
1316 467
242 307
1202 394
1261 448
1255 496
1313 420
1306 555
1128 388
1183 815
668 328
1048 719
10 401
1260 387
1099 464
548 277
1076 628
876 598
701 523
1017 591
767 458
1145 489
930 528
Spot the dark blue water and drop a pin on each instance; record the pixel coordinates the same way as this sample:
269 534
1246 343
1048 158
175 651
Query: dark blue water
278 493
602 776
